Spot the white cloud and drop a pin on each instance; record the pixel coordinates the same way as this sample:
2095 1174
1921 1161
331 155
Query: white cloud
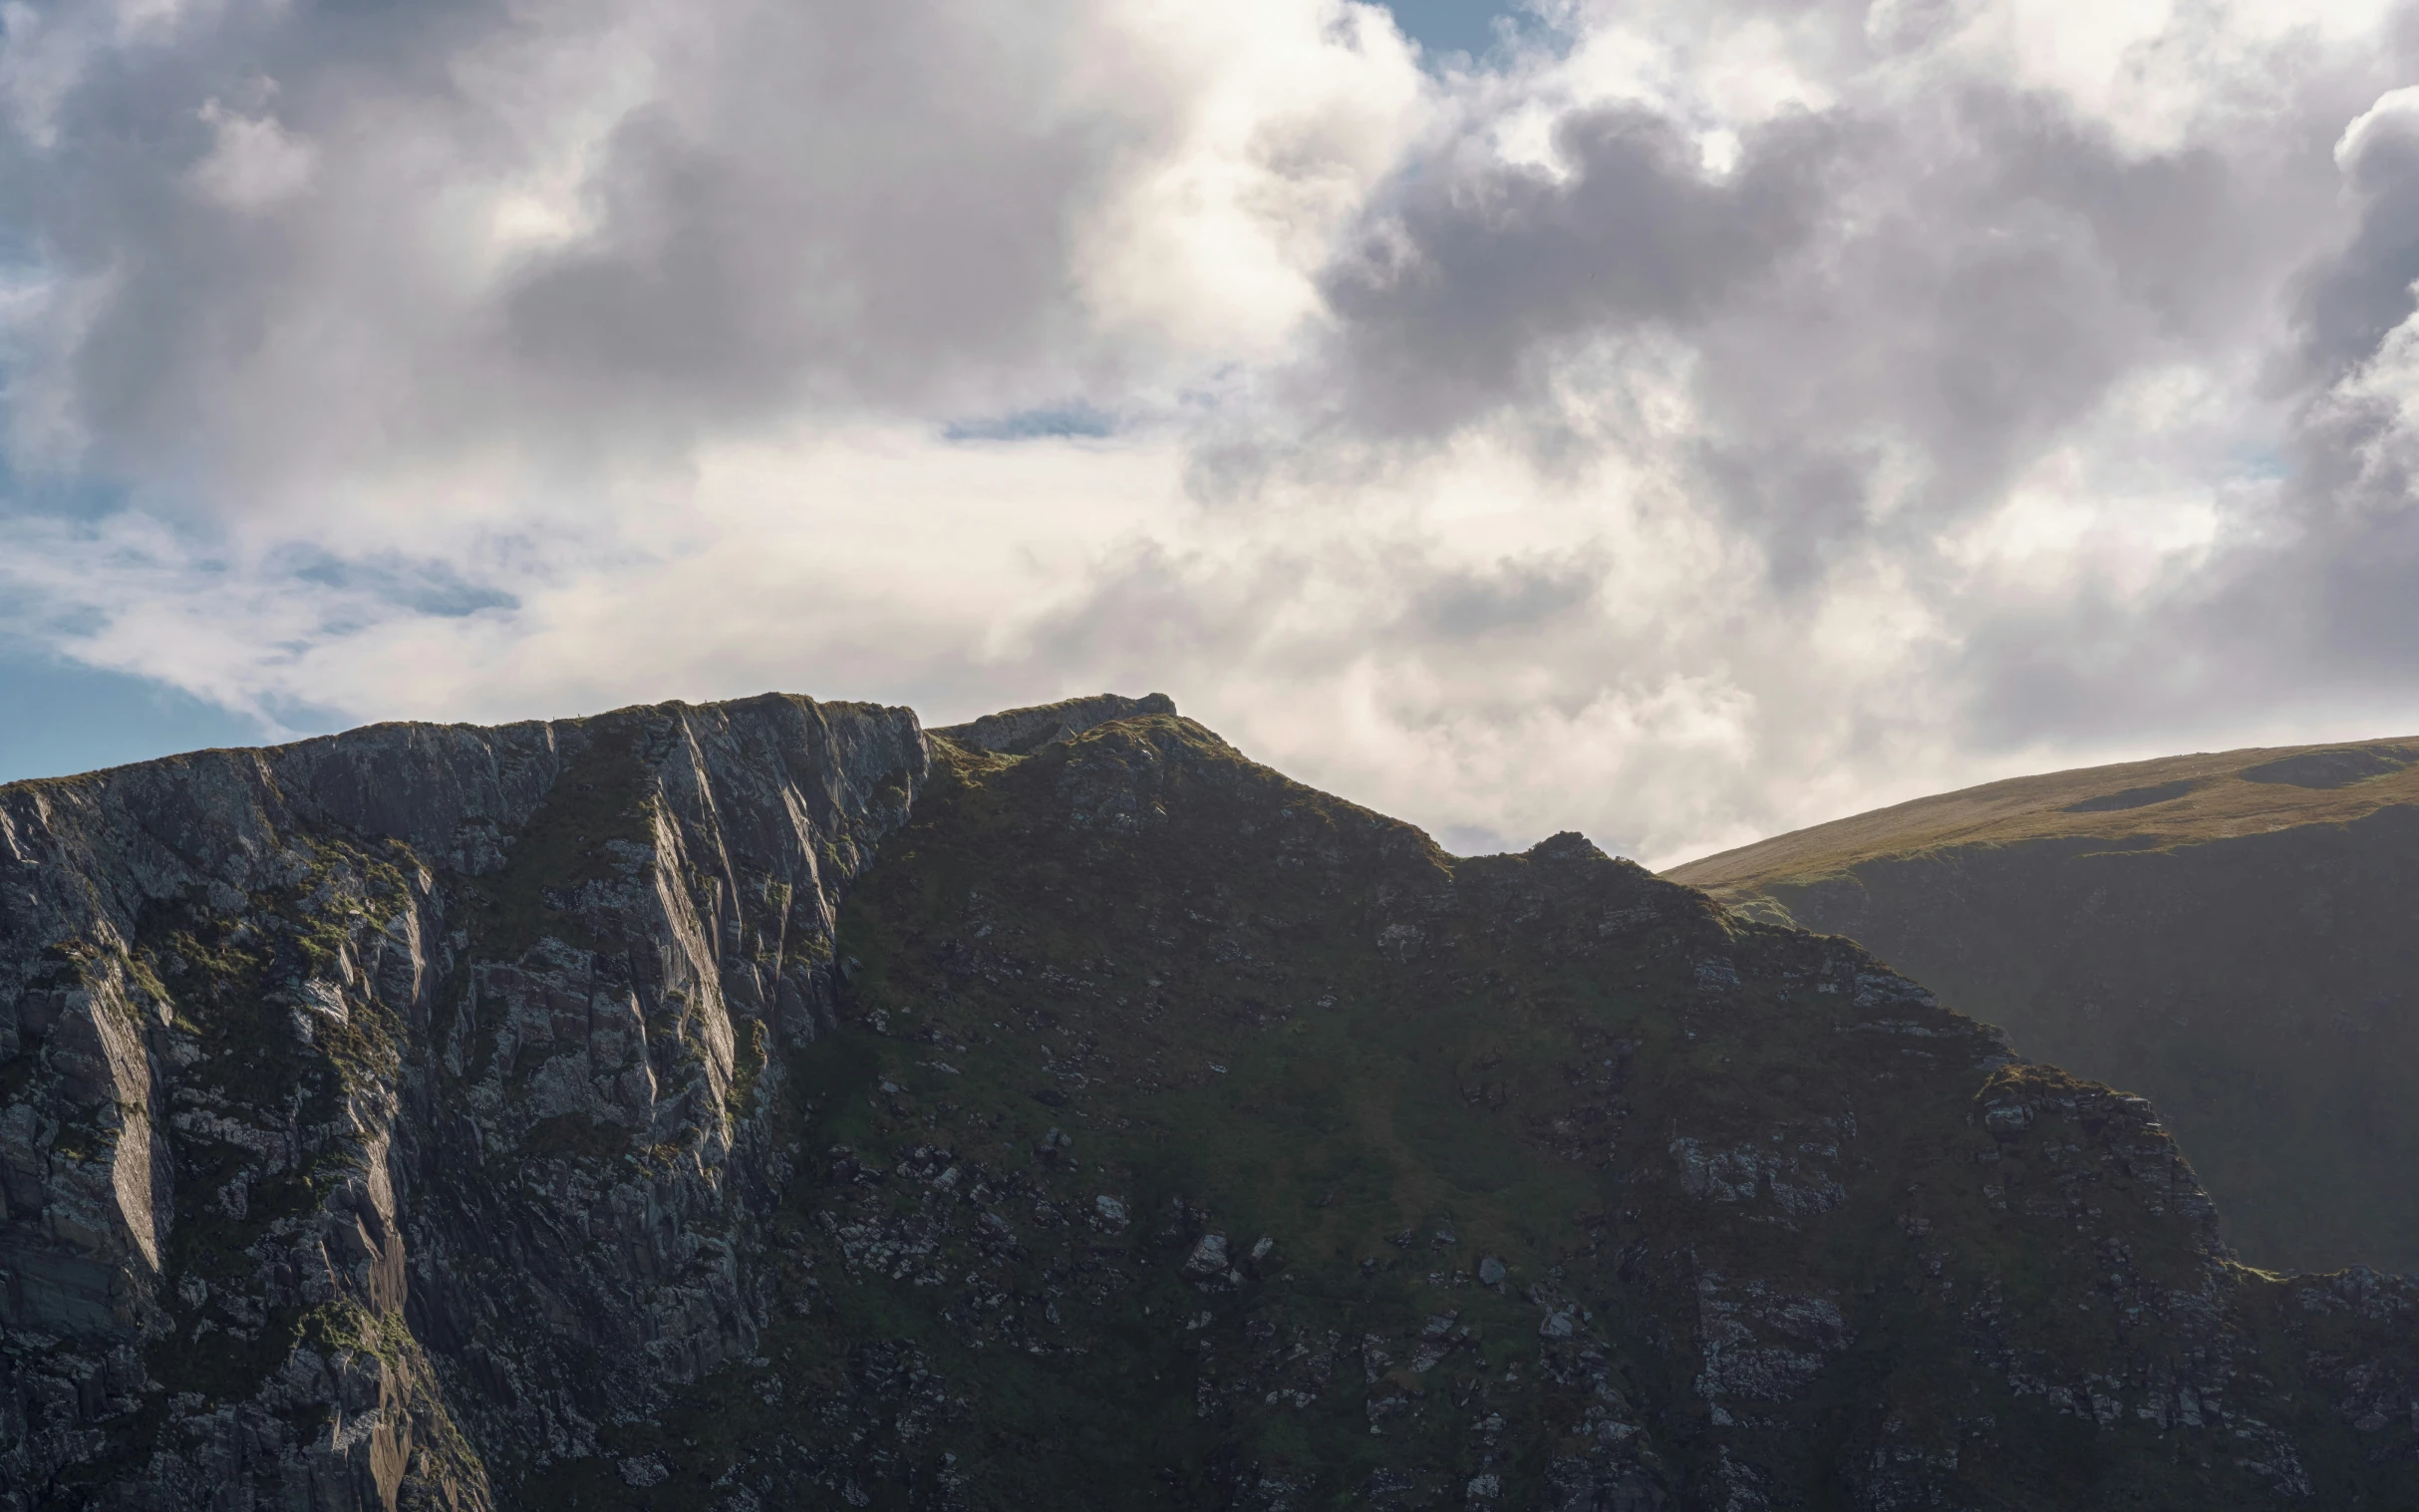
1704 418
1285 114
2396 114
254 161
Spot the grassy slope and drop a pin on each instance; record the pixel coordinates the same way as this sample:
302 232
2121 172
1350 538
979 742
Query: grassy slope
1140 968
2173 801
2241 953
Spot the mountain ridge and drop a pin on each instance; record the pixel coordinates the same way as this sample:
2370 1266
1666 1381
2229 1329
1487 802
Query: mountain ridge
2166 800
685 1106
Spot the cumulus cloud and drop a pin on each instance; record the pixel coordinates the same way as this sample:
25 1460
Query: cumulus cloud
2351 300
254 163
1687 421
2295 600
1466 296
338 243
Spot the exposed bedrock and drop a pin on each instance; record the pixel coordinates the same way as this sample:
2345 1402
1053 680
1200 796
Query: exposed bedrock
370 1098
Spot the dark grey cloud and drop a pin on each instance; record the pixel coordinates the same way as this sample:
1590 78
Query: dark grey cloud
1480 273
1985 278
1951 287
860 202
165 295
2349 300
1514 595
1891 310
865 208
2309 606
2324 610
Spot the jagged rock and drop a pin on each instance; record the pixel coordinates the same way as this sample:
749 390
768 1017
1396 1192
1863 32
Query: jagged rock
396 1104
642 1112
1020 732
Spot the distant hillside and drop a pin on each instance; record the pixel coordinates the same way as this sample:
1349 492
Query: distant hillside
2234 935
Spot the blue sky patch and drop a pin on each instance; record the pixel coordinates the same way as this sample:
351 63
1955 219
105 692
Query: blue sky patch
57 717
422 587
1078 418
1450 26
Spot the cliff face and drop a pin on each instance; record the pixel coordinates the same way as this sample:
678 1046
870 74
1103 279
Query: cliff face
380 1116
760 1105
2234 936
1194 1138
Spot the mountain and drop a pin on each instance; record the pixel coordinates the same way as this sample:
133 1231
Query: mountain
2234 936
773 1103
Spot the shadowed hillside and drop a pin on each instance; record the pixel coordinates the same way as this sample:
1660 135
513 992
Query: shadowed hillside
2235 936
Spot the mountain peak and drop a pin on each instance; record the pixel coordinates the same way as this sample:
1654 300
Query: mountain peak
1018 732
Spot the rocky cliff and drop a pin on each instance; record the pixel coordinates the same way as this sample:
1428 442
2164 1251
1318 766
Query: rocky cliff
382 1116
2234 935
765 1105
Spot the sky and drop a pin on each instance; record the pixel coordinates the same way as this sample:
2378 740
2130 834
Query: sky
1675 422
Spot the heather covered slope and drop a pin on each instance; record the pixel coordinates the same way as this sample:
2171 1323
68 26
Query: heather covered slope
2234 936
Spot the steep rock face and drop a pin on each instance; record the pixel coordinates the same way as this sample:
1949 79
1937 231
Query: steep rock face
380 1115
1191 1138
582 1114
2236 937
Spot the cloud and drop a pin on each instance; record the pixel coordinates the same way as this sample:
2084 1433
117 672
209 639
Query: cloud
1867 317
1461 297
1687 421
2298 606
1465 603
254 163
321 244
2351 300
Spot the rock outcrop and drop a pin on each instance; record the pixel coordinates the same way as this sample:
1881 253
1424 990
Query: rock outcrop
760 1105
1020 732
380 1116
